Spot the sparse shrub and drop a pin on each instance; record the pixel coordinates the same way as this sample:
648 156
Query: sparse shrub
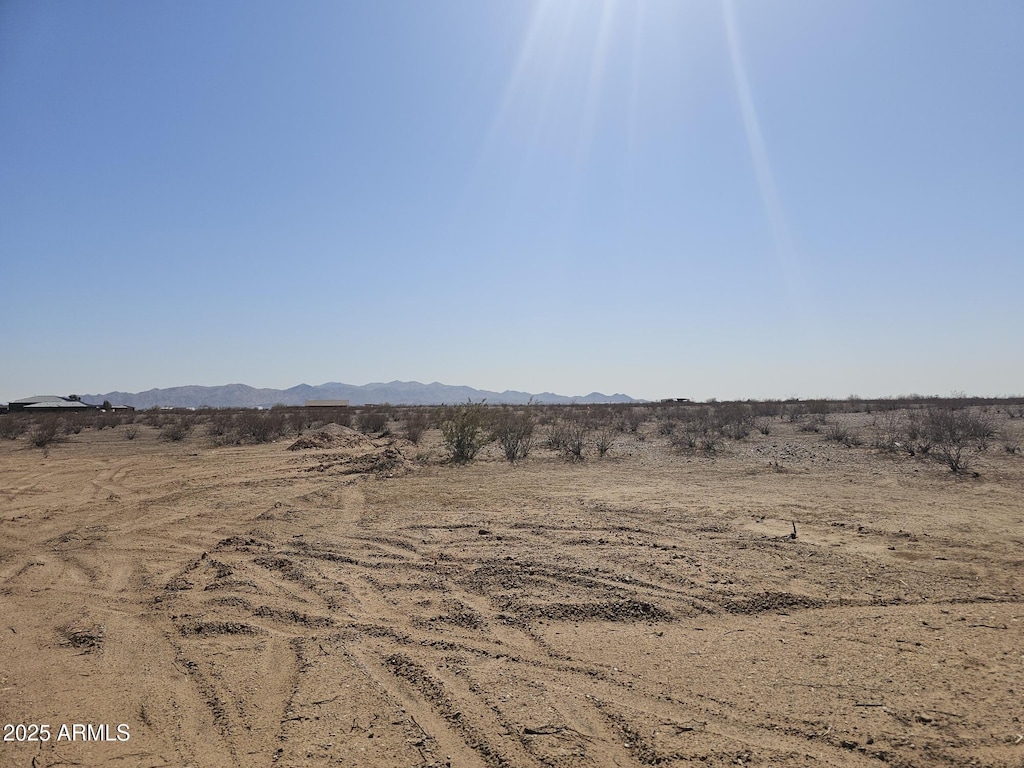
131 431
175 429
12 427
764 426
891 430
415 423
632 418
514 432
220 426
734 420
814 423
47 431
958 435
841 433
1011 440
603 440
575 441
555 437
462 432
372 420
260 426
709 442
686 438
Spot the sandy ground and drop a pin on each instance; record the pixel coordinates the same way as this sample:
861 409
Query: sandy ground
255 606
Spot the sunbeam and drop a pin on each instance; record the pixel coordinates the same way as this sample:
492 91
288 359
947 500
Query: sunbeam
788 260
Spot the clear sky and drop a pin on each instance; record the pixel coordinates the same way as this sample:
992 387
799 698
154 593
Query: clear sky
682 198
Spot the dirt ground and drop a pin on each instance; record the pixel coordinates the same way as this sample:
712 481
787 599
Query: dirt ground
255 606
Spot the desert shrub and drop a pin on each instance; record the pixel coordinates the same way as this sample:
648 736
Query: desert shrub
891 426
814 423
841 433
131 431
175 429
603 440
709 442
686 438
47 431
575 440
12 427
768 408
220 426
700 430
632 418
462 432
260 426
734 420
764 426
554 435
1011 440
318 416
105 421
514 432
372 420
666 425
415 423
958 435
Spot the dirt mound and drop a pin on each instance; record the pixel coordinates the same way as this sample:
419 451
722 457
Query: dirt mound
353 452
334 436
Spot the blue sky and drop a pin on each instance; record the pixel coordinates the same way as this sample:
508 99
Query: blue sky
702 199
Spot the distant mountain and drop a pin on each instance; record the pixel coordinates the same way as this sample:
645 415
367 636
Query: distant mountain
394 392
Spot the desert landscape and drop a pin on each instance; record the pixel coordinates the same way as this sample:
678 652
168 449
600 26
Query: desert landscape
698 584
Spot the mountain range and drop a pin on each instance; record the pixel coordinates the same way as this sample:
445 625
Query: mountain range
394 392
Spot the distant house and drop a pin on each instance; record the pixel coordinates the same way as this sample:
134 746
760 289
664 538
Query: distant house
327 403
54 403
57 404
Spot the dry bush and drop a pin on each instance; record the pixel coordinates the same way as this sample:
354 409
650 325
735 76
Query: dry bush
415 423
554 435
175 429
260 426
700 430
892 430
320 415
47 431
734 420
764 426
603 439
814 423
575 440
959 435
12 427
372 420
221 426
841 433
462 432
1011 439
514 432
667 424
131 431
632 418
